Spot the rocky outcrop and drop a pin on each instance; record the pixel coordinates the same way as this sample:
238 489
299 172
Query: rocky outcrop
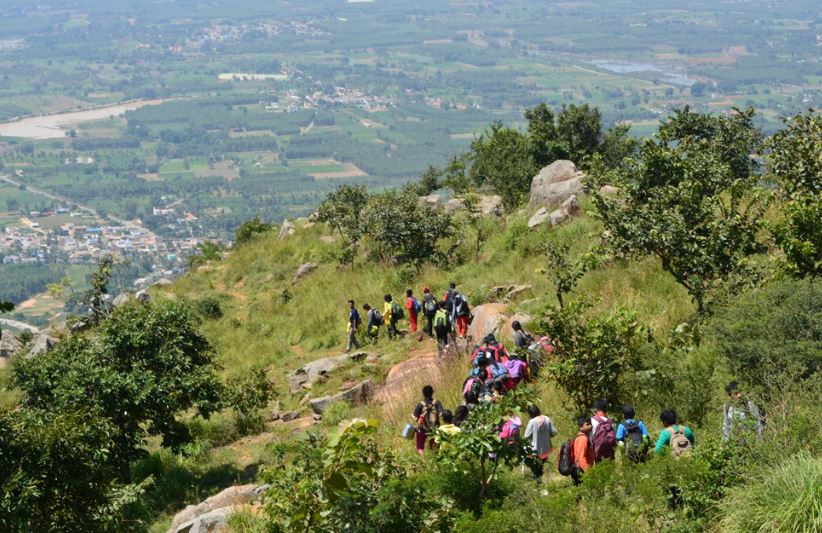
142 296
508 292
304 270
286 230
567 210
212 514
306 376
487 320
406 378
9 344
554 184
609 190
491 206
453 205
41 344
356 395
163 282
432 200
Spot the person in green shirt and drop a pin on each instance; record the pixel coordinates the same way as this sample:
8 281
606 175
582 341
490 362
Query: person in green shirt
671 435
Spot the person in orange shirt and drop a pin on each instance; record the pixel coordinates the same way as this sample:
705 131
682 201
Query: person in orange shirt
582 450
413 307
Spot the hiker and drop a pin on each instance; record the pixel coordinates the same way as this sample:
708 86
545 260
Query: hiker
462 312
517 370
448 298
633 436
540 430
495 348
441 327
461 415
472 400
354 323
475 385
429 309
522 339
582 450
392 312
510 429
375 320
448 428
414 307
603 433
741 416
679 437
427 415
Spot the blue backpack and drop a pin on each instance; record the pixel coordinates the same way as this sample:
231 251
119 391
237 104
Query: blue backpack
416 305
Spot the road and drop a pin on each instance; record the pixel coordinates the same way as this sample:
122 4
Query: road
18 325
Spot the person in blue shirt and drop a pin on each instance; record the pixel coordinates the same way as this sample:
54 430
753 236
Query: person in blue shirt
633 436
354 322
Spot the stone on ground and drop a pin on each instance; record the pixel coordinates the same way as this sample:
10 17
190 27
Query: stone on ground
554 184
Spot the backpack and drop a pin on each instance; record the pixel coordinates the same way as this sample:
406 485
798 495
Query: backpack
471 384
416 306
378 318
430 416
396 311
565 463
462 306
604 439
441 321
636 449
510 429
515 368
429 304
680 445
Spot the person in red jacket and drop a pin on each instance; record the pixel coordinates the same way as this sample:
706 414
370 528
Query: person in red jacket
413 309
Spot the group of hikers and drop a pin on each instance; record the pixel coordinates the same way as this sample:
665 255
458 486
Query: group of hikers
446 318
598 436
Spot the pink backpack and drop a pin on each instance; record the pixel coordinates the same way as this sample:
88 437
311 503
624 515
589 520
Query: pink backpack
511 428
515 368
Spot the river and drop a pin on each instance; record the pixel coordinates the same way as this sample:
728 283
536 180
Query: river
55 126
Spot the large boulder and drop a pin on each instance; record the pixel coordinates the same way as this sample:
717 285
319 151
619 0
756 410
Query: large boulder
304 270
212 514
609 190
286 230
356 395
491 205
554 184
406 378
569 209
539 218
506 293
432 200
41 344
9 344
306 376
453 205
487 320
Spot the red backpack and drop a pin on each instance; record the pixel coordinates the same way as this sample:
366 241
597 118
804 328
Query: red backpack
604 439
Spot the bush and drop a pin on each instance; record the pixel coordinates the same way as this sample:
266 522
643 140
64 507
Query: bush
785 498
770 330
209 308
250 230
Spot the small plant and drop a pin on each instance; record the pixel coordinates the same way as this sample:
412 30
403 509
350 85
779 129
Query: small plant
209 308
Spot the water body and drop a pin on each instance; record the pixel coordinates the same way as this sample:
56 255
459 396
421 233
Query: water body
669 75
55 126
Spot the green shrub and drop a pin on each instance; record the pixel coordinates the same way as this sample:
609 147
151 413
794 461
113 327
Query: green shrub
209 308
250 230
786 498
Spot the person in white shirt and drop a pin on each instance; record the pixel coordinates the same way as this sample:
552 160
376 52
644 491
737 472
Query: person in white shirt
540 431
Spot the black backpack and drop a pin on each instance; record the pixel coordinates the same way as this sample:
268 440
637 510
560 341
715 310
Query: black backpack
462 306
636 449
396 312
565 465
378 319
429 305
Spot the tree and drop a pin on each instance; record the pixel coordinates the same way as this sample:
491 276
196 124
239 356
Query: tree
617 146
566 274
404 230
145 365
342 210
579 131
250 230
204 252
593 354
429 180
795 161
542 132
689 199
91 305
501 157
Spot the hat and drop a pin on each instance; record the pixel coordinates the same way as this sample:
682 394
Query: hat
426 289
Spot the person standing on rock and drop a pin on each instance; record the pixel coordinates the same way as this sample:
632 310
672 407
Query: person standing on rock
414 307
429 309
354 322
427 414
392 312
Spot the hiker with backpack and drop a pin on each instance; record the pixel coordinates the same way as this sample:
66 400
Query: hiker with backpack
577 457
427 415
354 323
429 310
461 414
633 436
741 417
393 313
414 307
375 320
678 437
517 370
603 432
448 428
540 431
442 328
462 312
448 298
522 339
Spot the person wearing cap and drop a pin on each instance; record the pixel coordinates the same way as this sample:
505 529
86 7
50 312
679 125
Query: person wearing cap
429 309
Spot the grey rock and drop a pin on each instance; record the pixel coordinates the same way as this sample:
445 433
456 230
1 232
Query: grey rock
356 395
491 205
288 416
453 205
304 270
609 190
554 184
9 344
569 209
213 513
539 218
431 200
142 296
320 369
286 230
163 282
487 320
121 299
41 344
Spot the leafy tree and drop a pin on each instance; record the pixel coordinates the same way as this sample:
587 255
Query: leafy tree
593 354
429 180
145 365
795 161
250 230
501 157
579 131
542 133
566 274
205 252
617 146
455 175
472 219
687 199
342 211
479 439
403 229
